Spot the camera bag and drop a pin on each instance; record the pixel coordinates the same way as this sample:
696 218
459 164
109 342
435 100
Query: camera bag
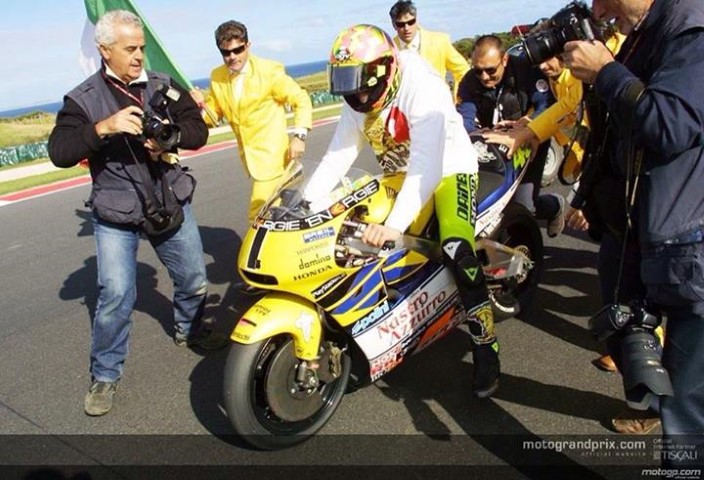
160 217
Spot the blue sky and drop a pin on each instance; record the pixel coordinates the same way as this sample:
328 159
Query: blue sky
41 38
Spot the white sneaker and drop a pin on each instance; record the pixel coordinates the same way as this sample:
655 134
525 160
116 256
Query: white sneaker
557 223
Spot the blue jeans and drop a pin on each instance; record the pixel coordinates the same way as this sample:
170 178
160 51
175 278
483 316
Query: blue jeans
543 207
182 254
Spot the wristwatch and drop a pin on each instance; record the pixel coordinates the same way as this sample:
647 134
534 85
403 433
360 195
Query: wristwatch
301 136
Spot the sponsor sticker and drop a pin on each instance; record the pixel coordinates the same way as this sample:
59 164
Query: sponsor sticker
318 234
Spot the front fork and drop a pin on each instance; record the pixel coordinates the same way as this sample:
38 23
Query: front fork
281 313
309 373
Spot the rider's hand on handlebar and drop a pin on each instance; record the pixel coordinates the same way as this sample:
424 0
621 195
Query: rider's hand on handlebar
377 235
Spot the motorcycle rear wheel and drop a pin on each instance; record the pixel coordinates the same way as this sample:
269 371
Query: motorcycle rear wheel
519 230
260 389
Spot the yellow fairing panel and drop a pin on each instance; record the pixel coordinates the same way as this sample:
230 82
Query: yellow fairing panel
282 313
380 206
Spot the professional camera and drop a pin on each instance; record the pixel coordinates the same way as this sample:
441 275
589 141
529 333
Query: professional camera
638 351
573 22
167 135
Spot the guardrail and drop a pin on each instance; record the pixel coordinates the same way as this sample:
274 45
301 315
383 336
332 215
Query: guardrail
23 153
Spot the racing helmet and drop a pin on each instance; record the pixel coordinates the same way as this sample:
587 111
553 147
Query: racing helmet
364 60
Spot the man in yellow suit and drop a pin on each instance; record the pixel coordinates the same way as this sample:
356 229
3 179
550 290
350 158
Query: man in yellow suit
252 94
434 47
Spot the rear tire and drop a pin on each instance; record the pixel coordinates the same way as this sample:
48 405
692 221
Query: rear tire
262 401
518 229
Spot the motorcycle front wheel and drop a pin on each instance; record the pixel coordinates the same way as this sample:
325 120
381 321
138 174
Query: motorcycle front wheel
263 400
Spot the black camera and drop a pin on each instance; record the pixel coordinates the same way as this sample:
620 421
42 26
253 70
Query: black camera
167 135
637 350
573 22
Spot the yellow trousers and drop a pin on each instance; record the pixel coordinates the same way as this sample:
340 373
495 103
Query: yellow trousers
261 191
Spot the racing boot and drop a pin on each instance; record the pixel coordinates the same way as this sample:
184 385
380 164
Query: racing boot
487 369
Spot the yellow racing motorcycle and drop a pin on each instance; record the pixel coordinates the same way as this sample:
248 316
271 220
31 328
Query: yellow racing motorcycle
339 314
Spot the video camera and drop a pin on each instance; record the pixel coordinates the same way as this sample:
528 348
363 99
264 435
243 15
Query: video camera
639 350
573 22
167 135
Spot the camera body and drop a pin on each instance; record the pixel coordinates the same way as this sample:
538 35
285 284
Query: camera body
637 350
167 135
573 22
616 317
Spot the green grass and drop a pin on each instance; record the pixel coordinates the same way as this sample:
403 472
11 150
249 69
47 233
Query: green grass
41 179
12 134
64 174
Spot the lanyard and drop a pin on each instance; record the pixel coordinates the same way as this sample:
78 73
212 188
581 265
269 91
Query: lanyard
139 101
498 108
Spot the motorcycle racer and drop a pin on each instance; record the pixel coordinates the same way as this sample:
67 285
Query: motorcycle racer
398 104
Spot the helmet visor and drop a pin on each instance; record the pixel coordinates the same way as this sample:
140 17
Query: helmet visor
345 79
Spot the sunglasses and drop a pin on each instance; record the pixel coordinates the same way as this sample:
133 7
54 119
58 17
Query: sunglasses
236 50
409 23
489 71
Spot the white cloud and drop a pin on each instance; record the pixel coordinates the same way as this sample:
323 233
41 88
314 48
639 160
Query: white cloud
277 45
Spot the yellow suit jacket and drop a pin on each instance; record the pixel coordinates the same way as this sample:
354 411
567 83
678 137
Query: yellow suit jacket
561 116
437 49
559 120
258 117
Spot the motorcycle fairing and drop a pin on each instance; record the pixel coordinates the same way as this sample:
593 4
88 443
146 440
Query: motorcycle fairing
410 323
402 265
282 313
408 314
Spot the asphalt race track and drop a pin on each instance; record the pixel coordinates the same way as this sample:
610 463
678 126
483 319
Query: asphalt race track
550 417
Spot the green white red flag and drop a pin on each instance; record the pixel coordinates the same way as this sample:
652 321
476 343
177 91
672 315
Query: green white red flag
157 58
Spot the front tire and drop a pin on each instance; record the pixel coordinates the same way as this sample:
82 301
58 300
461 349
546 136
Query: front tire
518 229
263 402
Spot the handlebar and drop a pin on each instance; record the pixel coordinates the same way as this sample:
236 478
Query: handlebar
359 228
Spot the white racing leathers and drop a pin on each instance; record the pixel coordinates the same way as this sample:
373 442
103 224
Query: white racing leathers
419 132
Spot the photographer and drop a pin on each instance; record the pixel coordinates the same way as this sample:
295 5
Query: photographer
138 188
654 142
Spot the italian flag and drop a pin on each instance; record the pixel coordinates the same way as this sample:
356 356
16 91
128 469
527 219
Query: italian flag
157 58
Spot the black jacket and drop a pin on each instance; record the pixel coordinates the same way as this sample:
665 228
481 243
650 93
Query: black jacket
666 55
117 195
522 87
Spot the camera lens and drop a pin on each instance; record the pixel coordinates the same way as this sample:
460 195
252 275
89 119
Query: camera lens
165 134
542 46
643 375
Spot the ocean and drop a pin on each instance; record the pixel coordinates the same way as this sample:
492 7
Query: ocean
295 71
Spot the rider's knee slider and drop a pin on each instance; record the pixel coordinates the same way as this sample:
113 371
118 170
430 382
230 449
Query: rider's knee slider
459 257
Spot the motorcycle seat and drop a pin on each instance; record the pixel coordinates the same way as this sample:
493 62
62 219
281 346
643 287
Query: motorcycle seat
489 182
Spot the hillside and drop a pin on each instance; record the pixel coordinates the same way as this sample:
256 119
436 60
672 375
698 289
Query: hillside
28 128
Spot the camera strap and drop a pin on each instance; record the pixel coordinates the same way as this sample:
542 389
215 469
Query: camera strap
151 202
634 164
